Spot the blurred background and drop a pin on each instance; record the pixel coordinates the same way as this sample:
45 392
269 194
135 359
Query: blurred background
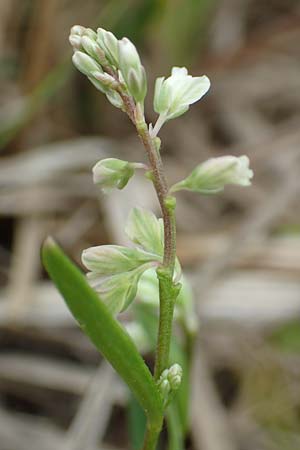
240 249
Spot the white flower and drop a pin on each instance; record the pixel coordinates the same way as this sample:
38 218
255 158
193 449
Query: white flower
112 173
211 176
115 271
173 95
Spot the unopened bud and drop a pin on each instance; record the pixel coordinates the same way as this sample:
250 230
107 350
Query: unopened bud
109 44
106 79
76 33
169 382
132 70
175 376
90 33
92 49
85 63
75 41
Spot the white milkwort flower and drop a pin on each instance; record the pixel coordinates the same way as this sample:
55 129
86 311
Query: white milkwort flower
112 173
132 70
174 95
115 271
113 259
211 176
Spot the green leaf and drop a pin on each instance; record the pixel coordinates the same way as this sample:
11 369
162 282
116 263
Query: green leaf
175 431
105 332
136 424
143 228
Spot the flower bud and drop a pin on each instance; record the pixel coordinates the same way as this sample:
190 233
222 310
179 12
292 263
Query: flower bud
112 173
75 41
169 382
115 99
132 70
109 44
90 34
92 49
164 388
77 29
76 33
85 64
175 376
106 79
211 176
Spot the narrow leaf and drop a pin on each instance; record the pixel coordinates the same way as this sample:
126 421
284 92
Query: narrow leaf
105 332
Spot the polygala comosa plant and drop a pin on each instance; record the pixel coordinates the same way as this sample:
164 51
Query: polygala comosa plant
146 276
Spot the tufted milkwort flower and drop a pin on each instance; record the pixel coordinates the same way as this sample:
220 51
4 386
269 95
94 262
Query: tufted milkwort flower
211 176
174 95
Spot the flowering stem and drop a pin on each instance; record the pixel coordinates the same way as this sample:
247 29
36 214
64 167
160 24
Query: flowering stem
168 291
159 123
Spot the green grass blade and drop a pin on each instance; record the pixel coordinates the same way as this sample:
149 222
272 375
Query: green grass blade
102 328
136 424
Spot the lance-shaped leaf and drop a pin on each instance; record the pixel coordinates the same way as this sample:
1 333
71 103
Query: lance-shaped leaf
105 332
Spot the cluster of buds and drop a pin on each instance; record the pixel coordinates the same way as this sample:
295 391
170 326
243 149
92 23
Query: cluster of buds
169 382
113 66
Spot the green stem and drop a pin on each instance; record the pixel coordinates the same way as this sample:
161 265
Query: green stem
168 291
175 432
152 435
167 296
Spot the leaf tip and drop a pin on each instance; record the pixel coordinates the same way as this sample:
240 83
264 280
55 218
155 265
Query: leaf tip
48 243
